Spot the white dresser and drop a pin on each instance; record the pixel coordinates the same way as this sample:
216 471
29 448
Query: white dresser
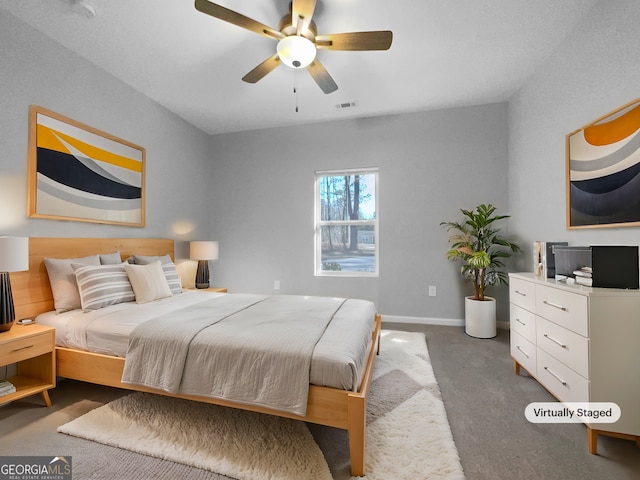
582 344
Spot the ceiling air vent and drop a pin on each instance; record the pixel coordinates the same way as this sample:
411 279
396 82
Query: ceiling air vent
342 106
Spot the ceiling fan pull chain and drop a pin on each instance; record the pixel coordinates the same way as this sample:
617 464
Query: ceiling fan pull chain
295 89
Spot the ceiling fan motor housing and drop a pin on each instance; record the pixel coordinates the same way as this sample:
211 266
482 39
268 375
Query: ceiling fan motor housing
296 49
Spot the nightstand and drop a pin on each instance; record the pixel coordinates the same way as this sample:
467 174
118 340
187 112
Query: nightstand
31 347
210 289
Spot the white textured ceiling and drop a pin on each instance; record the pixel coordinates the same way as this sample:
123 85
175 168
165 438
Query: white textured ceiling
445 53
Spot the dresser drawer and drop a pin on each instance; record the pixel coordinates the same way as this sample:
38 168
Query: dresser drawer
523 322
564 308
26 347
524 352
522 293
560 380
565 345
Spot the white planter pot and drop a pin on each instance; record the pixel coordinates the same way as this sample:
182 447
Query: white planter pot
480 317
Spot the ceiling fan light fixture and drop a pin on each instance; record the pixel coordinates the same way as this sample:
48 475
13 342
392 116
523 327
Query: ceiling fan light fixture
296 51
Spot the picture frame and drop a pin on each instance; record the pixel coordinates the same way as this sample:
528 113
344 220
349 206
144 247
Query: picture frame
79 173
603 171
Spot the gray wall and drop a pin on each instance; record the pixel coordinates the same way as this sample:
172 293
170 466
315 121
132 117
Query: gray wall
253 191
431 164
35 70
592 73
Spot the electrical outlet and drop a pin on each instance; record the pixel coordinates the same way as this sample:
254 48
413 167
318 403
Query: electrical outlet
432 290
276 284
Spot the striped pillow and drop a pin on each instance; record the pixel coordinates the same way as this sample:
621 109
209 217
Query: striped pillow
101 286
168 267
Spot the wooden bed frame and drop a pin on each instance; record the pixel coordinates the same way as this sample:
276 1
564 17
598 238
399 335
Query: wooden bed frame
32 295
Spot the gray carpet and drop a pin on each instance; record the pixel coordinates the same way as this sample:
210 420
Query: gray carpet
484 400
485 405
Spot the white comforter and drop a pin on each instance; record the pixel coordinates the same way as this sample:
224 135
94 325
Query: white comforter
337 361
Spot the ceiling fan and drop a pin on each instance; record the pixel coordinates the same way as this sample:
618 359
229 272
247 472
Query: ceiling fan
298 40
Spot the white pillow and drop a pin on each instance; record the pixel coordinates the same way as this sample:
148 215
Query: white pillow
103 285
169 268
63 281
148 281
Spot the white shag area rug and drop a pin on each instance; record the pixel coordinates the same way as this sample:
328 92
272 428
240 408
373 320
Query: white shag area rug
235 443
408 434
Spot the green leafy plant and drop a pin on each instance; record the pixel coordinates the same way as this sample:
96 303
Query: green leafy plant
477 243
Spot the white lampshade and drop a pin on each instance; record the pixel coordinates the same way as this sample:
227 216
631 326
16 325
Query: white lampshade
296 51
14 254
205 250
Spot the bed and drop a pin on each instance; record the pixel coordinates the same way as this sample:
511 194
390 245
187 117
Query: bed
343 408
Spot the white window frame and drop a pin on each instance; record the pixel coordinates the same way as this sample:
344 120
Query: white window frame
320 223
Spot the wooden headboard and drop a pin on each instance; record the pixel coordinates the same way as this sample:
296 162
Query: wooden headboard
31 289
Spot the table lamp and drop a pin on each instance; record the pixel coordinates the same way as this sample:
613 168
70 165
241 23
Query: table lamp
14 257
203 251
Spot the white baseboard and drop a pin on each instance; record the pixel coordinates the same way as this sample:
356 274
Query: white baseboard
451 322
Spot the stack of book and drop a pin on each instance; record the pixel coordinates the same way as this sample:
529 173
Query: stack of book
6 387
583 276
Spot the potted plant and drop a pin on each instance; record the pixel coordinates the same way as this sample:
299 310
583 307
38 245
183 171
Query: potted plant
477 243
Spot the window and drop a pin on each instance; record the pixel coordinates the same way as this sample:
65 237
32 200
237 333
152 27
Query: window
346 226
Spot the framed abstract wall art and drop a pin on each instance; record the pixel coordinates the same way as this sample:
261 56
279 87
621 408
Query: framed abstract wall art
76 172
603 171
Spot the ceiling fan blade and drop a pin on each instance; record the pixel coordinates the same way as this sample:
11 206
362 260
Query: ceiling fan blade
301 13
322 77
262 70
378 40
235 18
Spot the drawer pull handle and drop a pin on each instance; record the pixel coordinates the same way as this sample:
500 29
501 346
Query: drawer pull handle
520 293
560 307
523 352
22 348
521 322
556 376
555 341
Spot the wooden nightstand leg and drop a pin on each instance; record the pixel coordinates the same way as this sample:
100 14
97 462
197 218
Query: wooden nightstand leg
516 368
45 397
592 438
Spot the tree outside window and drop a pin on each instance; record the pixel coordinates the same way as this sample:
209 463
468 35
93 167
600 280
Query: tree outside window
346 223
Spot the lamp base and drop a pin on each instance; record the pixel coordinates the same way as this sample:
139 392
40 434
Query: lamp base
7 312
202 274
5 327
